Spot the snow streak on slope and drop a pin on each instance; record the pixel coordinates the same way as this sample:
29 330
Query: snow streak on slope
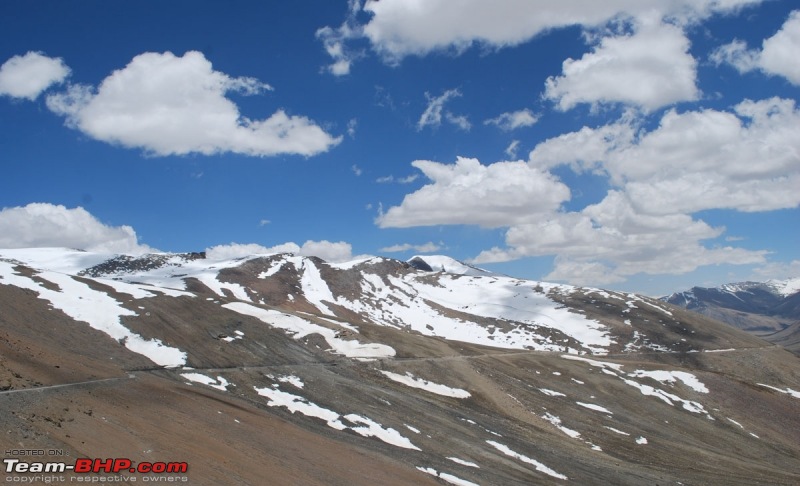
99 310
363 426
451 307
538 465
410 380
301 328
688 379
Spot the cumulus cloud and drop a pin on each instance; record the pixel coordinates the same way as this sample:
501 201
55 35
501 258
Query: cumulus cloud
432 116
649 68
29 75
170 105
329 251
40 225
513 120
778 54
399 28
695 160
467 192
428 247
743 159
334 40
610 241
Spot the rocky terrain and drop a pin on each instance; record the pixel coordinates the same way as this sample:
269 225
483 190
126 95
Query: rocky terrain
770 310
280 369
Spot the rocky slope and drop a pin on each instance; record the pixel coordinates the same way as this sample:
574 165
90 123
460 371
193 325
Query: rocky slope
290 370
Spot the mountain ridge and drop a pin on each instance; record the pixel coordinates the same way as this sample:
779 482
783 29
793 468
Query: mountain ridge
770 309
412 375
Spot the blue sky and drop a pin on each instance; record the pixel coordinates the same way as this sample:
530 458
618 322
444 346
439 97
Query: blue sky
647 146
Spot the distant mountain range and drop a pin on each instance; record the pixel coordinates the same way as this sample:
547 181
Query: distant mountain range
285 369
769 309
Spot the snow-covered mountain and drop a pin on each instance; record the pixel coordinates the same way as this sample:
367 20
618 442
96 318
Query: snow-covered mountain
769 309
391 372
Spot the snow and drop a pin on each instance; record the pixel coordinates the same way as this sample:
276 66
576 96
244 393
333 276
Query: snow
292 380
407 301
296 403
636 298
662 376
551 393
593 362
315 289
538 465
301 328
670 376
80 302
446 264
463 462
371 428
412 429
616 431
354 263
557 422
788 391
140 291
449 478
735 422
272 270
62 260
785 288
365 426
410 380
219 383
592 406
668 398
641 441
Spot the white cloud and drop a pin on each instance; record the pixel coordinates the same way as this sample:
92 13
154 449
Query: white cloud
400 180
351 127
329 251
511 150
335 41
609 241
398 28
695 160
513 120
745 159
777 271
39 225
428 247
29 75
432 116
467 192
459 121
778 54
650 68
169 105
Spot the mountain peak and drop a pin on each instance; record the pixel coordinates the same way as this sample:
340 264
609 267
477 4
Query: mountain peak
446 264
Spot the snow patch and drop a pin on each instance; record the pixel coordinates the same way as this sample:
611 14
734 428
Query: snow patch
516 455
219 383
301 328
410 380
